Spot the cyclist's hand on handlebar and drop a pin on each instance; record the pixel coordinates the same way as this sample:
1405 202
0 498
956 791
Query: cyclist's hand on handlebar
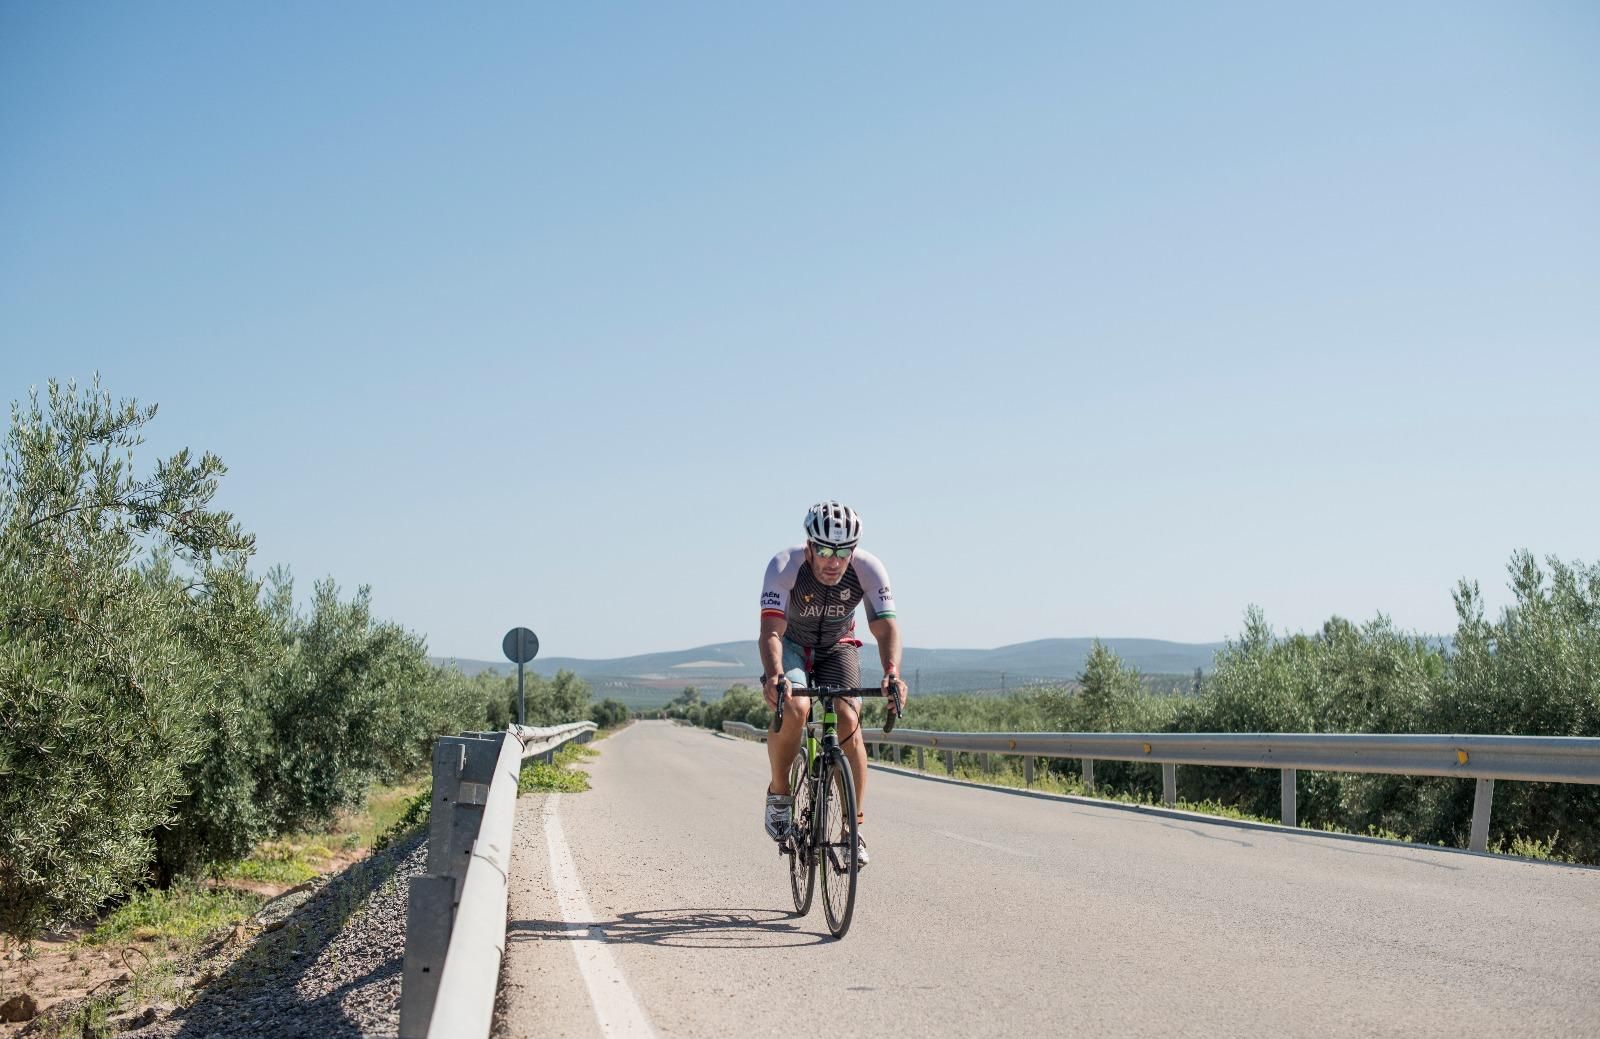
895 692
769 690
775 689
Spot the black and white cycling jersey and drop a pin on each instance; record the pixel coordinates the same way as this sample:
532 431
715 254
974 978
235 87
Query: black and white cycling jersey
821 615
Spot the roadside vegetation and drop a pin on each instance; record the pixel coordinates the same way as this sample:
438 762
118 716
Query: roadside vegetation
168 716
560 776
94 980
1532 671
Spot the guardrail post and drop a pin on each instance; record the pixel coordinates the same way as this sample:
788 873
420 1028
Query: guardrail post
921 765
986 766
1027 771
449 755
1169 785
464 817
428 918
1088 775
1290 813
1482 802
949 762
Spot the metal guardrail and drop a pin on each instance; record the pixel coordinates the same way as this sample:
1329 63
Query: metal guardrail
1541 759
456 918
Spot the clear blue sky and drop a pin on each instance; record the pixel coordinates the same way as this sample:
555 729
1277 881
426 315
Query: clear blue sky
1109 319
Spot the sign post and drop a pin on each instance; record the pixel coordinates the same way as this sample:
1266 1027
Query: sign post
520 646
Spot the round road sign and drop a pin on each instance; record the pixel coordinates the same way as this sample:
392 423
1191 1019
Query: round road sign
520 645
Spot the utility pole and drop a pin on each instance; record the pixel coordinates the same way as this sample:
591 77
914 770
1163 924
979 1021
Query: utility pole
917 682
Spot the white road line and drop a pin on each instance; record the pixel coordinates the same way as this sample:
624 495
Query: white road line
986 844
616 1009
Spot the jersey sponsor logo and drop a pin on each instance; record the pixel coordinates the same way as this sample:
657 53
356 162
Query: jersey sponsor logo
884 591
769 598
805 597
832 611
844 593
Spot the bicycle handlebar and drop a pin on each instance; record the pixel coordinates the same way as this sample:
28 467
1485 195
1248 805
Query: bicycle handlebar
827 692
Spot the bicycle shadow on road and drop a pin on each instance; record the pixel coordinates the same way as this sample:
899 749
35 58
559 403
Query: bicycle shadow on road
678 928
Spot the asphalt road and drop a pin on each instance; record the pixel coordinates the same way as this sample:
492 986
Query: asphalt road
655 904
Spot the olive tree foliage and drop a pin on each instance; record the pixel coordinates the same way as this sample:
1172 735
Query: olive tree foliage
1533 672
337 700
352 700
1112 698
562 699
549 701
125 611
220 816
738 703
1108 692
609 713
1344 678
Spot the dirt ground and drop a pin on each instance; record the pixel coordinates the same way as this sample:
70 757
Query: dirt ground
59 968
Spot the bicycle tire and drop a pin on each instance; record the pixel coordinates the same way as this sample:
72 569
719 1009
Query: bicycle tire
802 860
837 855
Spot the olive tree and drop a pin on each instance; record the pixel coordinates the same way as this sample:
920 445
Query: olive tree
119 596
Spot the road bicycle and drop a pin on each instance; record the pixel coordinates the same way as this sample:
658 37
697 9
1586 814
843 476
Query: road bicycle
823 834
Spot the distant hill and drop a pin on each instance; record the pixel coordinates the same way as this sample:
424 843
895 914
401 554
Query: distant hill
656 677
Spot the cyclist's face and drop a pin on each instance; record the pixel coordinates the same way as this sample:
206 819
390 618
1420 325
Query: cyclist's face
829 569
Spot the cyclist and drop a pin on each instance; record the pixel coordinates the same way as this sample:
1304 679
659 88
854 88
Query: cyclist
808 627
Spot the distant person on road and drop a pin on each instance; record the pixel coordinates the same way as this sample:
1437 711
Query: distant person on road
808 629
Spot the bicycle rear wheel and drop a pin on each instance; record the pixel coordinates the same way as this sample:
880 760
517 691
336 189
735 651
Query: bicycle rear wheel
802 859
837 856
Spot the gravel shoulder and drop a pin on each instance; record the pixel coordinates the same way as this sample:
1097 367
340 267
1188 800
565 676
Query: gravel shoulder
328 963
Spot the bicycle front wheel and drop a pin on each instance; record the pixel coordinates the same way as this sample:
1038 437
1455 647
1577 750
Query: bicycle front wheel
837 856
802 856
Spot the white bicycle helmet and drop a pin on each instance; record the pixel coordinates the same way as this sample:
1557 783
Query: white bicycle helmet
831 523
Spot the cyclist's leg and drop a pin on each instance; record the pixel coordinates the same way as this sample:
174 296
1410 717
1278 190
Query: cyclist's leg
782 745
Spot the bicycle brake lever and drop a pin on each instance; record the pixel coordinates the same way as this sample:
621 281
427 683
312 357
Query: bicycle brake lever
781 689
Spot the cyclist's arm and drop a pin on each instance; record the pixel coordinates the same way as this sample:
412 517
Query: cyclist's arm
771 649
886 631
775 589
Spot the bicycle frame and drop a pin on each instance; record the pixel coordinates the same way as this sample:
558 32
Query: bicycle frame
823 798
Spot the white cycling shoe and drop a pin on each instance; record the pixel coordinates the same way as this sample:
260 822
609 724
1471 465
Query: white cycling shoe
780 815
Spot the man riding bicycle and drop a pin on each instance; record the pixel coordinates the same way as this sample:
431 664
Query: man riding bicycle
808 605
